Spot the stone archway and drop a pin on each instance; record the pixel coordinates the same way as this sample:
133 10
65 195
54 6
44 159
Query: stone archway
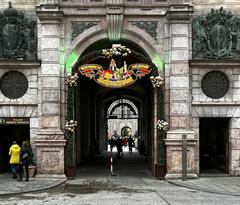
82 42
96 56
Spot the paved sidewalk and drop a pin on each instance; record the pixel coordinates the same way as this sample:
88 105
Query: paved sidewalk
10 186
219 185
131 172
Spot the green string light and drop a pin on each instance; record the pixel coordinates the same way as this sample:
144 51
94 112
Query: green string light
73 57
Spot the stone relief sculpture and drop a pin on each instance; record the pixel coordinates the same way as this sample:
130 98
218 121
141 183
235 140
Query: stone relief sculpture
216 36
79 27
17 35
149 26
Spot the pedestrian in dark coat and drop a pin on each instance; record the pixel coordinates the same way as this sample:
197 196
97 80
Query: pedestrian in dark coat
119 144
25 160
111 143
130 143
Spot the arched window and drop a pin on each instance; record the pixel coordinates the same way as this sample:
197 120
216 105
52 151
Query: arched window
122 109
126 131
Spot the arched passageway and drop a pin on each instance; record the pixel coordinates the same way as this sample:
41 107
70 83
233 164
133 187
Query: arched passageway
102 111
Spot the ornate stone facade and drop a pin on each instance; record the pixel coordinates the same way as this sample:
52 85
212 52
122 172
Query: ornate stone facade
184 39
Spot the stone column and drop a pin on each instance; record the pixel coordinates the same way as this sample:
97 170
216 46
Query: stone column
50 142
179 91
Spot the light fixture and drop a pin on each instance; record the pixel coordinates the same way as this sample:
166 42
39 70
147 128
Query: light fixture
157 81
70 126
116 50
162 124
72 79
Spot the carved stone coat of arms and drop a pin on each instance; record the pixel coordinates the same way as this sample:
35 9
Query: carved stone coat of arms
216 36
17 36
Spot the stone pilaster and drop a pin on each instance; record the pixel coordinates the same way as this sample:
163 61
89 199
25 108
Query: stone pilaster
50 143
179 90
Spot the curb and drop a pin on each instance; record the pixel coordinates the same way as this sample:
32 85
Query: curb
55 184
203 189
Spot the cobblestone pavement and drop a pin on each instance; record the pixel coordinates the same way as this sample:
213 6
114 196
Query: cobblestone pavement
132 185
119 190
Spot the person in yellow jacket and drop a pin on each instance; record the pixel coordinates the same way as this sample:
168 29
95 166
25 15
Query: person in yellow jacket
14 152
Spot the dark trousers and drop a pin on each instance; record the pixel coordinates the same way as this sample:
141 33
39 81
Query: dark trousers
120 152
20 173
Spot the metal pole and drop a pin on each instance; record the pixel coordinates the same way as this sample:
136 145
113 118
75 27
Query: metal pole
184 157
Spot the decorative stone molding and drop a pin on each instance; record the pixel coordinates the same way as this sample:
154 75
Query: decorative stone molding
49 10
46 4
114 26
25 111
215 110
180 10
25 64
178 2
79 27
215 64
49 15
149 26
49 2
114 3
50 134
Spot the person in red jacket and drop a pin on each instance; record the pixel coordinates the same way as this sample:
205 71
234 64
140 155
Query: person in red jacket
14 152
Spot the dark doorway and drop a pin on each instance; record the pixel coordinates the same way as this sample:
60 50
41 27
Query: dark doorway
8 134
214 143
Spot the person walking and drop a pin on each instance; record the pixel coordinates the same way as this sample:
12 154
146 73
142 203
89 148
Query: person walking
130 143
24 160
119 144
111 143
14 153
